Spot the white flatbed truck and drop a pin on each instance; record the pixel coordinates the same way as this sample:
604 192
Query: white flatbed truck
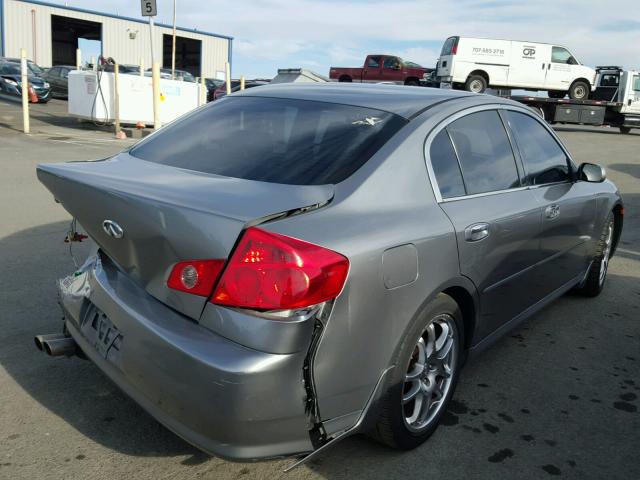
615 102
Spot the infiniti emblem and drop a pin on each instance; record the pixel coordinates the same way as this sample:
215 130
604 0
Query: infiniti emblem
112 229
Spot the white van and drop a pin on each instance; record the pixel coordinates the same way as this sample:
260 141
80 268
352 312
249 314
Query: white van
477 63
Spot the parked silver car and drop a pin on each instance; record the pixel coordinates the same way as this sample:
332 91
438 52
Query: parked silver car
296 263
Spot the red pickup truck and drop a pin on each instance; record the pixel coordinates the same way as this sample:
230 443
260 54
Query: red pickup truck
381 68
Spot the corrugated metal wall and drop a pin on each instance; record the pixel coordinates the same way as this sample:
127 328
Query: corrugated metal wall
20 18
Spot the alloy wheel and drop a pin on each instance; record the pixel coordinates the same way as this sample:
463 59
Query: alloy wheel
430 373
606 253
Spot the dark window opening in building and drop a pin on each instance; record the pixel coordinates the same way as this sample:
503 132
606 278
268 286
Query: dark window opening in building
188 54
65 33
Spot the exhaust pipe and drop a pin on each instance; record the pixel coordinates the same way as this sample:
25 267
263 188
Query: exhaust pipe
56 345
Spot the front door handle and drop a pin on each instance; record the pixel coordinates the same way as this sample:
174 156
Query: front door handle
476 232
552 211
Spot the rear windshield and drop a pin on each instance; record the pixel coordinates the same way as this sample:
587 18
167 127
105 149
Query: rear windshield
275 140
447 48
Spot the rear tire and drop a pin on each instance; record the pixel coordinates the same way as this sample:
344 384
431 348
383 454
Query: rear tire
597 275
476 84
625 130
579 90
428 363
412 83
345 78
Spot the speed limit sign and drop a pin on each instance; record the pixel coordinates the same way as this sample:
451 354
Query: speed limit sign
149 8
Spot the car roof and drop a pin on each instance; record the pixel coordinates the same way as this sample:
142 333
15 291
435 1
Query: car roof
398 99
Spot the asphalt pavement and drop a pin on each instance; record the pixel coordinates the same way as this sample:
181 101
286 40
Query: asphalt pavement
559 397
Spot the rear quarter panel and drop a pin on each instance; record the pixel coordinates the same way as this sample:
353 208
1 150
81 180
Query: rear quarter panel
488 55
389 202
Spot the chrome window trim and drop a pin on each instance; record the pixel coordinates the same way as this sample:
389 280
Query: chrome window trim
481 108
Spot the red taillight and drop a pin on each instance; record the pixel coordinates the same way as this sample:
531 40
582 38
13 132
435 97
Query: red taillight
195 276
269 271
454 49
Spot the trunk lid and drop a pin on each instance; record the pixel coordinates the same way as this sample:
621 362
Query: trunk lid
167 214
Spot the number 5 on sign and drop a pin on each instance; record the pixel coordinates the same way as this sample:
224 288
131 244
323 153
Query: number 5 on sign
149 8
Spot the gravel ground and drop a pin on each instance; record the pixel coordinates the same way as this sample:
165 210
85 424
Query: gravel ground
557 397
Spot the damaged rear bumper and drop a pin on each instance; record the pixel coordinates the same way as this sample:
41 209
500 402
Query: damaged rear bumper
222 397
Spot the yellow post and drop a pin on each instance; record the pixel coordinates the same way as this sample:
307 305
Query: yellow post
25 90
156 94
142 66
116 96
227 75
203 91
78 59
242 82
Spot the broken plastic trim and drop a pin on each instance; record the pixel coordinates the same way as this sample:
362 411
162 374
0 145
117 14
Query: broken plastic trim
349 431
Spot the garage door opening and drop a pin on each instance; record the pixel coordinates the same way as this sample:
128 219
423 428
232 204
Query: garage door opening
65 33
188 54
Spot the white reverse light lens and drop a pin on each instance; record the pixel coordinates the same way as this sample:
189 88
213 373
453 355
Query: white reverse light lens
189 276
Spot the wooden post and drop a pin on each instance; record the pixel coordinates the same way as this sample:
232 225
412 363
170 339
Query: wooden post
116 96
142 66
78 59
227 75
242 82
156 95
25 90
203 91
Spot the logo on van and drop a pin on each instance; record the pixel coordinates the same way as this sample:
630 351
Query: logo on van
528 52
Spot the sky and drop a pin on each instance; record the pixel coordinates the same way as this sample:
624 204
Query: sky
317 34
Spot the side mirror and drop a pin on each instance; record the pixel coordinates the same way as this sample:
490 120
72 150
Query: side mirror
590 172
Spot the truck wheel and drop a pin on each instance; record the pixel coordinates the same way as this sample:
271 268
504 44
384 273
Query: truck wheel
412 83
579 90
625 130
475 84
556 94
345 78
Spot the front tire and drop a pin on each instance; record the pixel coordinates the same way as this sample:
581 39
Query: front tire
427 369
579 90
597 275
476 84
625 130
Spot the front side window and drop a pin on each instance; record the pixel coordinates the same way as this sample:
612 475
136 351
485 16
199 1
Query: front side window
276 140
445 166
562 55
373 62
636 83
392 63
544 160
485 153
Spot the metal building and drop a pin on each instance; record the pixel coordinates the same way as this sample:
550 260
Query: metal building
50 34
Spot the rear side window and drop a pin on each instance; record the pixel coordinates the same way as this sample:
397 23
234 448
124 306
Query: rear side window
636 83
544 160
484 152
373 62
445 166
275 140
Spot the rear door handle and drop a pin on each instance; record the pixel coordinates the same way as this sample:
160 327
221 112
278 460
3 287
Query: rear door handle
476 232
